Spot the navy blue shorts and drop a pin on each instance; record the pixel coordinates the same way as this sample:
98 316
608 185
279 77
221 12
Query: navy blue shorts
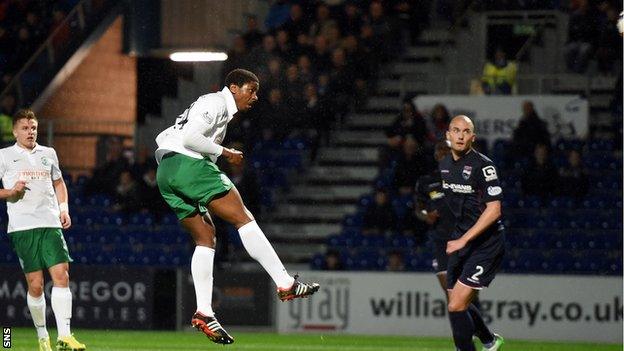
477 264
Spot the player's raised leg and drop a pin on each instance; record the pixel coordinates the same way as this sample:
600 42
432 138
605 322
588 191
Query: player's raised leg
230 208
203 233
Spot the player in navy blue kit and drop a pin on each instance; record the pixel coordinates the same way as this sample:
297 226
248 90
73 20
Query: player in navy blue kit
432 209
473 193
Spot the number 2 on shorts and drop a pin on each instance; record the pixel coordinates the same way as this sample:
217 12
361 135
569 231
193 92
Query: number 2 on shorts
476 275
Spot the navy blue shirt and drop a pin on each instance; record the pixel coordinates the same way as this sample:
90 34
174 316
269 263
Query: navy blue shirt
468 184
429 193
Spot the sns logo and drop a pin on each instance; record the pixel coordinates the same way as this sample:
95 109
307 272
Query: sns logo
489 173
6 337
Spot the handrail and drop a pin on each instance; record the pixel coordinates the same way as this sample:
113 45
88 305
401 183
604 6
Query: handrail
78 11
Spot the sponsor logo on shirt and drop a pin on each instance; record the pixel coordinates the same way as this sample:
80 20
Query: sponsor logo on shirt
489 172
458 188
494 190
444 171
34 175
466 172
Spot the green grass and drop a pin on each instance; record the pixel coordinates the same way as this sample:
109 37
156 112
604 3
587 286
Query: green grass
114 340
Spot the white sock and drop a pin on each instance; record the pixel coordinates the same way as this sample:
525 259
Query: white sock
37 307
201 270
62 307
260 249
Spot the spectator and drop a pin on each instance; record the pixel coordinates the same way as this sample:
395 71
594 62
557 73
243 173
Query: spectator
573 178
275 78
341 83
246 181
34 25
238 56
127 194
294 88
277 120
411 164
531 130
63 31
306 72
321 56
253 36
379 217
264 53
609 41
351 20
297 24
439 122
151 200
323 22
284 48
582 33
540 178
381 29
410 122
390 153
279 13
396 263
332 261
499 76
106 176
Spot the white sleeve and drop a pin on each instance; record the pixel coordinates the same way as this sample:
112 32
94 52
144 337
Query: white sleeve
3 167
56 170
201 118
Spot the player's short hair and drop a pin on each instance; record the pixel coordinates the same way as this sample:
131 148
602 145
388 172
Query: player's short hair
240 77
24 114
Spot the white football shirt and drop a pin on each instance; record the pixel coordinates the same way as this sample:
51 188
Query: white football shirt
214 111
39 167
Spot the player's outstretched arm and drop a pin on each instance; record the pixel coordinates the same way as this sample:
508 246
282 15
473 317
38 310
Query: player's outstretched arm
61 195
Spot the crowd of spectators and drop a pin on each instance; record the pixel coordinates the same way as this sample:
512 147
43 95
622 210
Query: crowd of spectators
24 26
316 62
592 34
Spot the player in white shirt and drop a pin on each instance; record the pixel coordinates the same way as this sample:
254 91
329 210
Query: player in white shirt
36 198
193 186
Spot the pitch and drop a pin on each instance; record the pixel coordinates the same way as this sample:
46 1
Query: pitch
23 339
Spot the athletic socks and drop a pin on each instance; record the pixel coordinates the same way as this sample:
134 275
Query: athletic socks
37 308
481 330
463 329
260 249
62 306
201 270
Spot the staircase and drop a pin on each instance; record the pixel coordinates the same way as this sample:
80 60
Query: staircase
346 169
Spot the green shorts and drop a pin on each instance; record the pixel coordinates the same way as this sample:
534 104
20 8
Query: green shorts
188 184
39 248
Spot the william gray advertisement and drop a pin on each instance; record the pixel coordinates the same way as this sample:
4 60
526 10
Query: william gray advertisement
103 297
521 306
496 117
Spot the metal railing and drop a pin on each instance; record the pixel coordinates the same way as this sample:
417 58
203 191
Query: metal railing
49 54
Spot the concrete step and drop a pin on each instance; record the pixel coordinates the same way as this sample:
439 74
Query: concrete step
409 85
436 35
359 138
328 193
600 101
301 253
372 120
299 231
349 154
338 174
422 51
316 211
431 69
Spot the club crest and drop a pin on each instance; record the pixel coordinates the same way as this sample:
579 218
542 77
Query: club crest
466 172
